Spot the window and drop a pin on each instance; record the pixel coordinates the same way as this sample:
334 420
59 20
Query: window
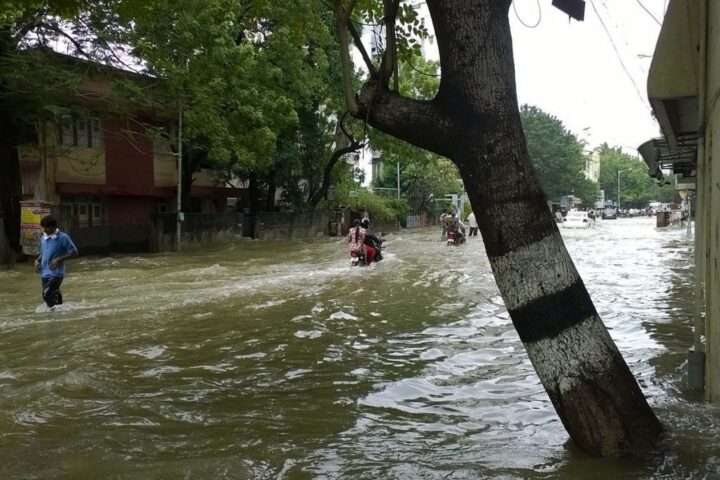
85 211
67 132
95 134
96 214
82 212
80 132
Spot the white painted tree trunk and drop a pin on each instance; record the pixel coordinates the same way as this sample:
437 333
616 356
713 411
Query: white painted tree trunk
474 121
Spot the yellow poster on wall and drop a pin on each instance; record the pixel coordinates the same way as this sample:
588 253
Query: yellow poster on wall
30 215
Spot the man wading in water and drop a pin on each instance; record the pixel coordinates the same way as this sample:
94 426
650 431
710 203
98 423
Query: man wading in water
55 248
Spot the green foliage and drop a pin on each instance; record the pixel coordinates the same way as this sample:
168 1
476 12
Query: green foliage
423 180
224 84
379 207
637 189
424 176
410 29
557 156
22 12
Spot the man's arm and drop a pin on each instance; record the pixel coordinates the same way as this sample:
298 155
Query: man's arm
70 252
57 261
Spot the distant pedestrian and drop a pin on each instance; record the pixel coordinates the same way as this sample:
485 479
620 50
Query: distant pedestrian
55 248
472 225
443 223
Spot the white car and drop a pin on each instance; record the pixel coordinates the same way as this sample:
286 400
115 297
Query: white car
578 219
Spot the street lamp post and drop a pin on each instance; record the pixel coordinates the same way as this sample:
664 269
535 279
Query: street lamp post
618 185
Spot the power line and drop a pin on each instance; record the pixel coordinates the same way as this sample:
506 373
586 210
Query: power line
521 20
640 65
649 12
617 54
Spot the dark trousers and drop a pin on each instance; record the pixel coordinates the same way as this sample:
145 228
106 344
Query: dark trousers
51 291
473 232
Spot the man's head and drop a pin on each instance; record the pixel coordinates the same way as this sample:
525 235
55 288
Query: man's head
365 222
48 224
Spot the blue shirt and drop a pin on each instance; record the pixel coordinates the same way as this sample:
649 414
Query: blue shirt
53 246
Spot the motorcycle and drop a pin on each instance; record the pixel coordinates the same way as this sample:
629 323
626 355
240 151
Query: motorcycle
358 258
453 239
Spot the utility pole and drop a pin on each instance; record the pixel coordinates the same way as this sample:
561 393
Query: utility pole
180 218
398 180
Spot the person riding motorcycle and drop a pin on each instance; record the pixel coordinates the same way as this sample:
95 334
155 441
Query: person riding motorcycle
356 239
372 241
454 225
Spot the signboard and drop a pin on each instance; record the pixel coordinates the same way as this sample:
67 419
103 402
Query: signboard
30 215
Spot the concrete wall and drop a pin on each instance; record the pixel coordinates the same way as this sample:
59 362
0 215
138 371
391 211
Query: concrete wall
197 229
129 154
286 225
710 208
165 170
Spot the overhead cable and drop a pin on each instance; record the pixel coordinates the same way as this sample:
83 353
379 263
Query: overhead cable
521 20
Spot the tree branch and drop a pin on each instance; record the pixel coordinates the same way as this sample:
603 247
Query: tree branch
351 145
359 45
431 128
342 19
389 61
55 28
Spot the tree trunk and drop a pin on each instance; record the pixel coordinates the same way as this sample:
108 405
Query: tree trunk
10 180
190 165
327 173
10 177
474 120
251 211
271 191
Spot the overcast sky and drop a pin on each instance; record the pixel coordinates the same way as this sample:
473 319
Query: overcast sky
591 75
571 69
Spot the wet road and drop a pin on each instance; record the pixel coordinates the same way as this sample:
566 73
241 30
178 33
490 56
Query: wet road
277 360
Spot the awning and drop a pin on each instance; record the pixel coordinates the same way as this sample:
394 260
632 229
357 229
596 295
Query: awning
681 161
673 77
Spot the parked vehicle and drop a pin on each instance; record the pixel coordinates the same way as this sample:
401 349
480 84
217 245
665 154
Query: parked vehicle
609 213
577 219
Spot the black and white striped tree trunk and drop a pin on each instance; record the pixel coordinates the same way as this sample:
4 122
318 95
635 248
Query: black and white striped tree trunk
474 121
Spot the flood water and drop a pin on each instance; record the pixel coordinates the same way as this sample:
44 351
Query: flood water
277 360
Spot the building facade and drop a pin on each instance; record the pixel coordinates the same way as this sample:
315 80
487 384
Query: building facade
683 86
106 177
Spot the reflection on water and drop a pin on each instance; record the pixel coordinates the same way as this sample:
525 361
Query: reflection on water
277 360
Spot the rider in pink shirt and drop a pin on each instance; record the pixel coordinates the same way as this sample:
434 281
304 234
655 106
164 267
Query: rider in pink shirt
356 239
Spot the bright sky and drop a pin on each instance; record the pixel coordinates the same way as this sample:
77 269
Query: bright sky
573 70
591 75
592 79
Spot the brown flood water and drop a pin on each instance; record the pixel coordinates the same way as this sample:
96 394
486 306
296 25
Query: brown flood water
276 360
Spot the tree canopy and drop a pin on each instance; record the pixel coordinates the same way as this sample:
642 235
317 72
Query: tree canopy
557 155
637 188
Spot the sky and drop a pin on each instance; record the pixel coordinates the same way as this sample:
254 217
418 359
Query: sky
573 70
591 75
